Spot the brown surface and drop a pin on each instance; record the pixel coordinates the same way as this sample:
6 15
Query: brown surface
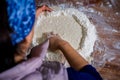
105 15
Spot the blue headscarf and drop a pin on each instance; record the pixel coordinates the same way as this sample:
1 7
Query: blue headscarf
21 17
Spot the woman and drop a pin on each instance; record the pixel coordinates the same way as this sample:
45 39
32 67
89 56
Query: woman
18 33
17 19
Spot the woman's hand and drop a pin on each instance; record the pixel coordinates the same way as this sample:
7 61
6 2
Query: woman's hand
42 9
55 42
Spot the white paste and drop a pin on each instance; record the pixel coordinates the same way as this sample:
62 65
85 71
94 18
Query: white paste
73 26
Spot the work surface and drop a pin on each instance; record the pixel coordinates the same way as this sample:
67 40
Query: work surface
105 15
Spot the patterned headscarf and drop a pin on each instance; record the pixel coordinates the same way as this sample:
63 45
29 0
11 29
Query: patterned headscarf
21 17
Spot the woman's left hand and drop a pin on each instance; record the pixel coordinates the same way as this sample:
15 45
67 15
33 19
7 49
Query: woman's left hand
42 9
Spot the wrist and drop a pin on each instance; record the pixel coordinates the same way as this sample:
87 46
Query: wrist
62 44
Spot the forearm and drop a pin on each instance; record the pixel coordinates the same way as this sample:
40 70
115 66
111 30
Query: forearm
74 58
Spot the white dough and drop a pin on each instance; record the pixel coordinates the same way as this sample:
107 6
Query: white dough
64 25
72 25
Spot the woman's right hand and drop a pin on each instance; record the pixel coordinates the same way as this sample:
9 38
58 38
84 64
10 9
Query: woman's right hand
55 42
73 57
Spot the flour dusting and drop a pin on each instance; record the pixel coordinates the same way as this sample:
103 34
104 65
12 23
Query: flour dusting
73 26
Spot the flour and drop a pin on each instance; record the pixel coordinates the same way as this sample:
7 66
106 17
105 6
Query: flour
73 26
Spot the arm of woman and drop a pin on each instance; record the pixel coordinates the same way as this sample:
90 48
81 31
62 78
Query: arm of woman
73 57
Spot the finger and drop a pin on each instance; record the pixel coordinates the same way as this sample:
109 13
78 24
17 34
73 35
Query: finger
47 8
39 6
52 33
49 35
57 35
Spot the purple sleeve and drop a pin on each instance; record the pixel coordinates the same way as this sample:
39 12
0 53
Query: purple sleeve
26 67
21 70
